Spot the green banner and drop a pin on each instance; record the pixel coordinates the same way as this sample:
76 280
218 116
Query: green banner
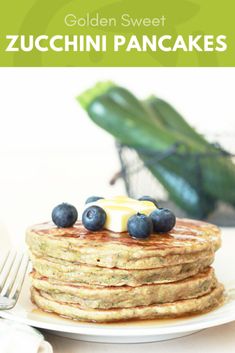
117 33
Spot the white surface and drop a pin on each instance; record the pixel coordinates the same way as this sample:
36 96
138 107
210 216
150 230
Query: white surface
130 332
14 335
51 152
214 340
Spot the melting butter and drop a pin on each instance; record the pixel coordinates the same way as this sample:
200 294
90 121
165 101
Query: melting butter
120 208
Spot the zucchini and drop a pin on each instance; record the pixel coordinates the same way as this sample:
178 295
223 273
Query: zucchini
130 103
172 120
180 191
172 164
137 126
218 171
123 125
128 128
105 112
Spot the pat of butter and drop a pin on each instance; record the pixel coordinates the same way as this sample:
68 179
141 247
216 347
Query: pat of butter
120 208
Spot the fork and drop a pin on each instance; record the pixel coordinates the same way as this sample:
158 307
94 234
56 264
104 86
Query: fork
12 274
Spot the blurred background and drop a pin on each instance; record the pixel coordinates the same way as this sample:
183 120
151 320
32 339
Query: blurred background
51 152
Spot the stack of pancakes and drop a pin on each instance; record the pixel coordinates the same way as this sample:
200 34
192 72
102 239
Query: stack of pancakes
105 276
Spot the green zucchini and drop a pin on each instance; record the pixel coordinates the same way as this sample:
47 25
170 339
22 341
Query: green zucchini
128 120
130 103
128 128
173 164
172 120
105 112
218 171
183 193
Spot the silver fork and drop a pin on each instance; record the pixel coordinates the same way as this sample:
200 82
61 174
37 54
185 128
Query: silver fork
12 274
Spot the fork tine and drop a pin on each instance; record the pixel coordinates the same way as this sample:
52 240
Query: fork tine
16 288
12 275
10 278
7 266
3 260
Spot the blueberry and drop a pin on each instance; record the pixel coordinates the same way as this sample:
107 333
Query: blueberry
139 226
93 199
163 220
64 215
148 198
93 218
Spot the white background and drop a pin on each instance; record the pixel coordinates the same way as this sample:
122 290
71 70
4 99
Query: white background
51 152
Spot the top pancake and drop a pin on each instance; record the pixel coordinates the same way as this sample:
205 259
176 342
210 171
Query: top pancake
189 241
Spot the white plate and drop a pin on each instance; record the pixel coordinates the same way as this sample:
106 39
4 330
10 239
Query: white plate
133 332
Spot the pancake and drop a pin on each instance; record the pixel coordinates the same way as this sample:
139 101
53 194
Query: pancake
125 296
167 310
77 273
187 242
106 276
